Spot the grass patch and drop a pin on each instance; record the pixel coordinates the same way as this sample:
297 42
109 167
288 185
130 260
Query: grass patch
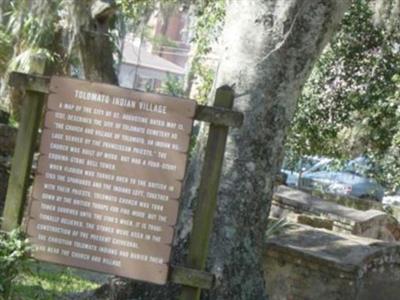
46 282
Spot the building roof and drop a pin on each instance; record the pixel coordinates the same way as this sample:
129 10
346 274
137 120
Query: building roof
132 55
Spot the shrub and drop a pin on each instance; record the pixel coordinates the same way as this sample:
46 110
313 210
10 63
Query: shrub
14 250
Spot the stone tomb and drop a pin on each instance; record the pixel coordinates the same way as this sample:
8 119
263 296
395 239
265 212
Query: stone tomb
303 208
307 263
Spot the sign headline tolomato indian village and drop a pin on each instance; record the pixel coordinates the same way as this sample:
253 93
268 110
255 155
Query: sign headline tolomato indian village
110 171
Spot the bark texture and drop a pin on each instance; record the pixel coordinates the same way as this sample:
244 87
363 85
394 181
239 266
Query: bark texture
91 23
268 50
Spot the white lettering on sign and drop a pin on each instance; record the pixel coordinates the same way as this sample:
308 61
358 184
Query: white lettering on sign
109 175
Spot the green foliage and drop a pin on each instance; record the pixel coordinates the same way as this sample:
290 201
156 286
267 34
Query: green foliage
33 33
6 49
14 249
210 21
276 227
350 104
173 86
30 60
390 159
136 9
27 41
44 281
22 278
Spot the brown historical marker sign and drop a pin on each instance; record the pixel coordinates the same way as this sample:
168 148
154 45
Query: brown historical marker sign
105 196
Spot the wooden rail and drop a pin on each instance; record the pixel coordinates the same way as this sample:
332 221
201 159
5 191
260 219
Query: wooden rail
191 277
210 114
31 113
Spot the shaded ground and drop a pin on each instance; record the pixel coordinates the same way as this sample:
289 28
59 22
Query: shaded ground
45 281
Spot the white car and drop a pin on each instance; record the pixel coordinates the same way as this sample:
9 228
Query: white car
305 165
351 179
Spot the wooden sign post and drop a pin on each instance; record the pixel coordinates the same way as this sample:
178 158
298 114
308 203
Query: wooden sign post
207 199
112 160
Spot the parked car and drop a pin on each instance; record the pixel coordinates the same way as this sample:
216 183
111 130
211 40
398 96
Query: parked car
351 179
303 166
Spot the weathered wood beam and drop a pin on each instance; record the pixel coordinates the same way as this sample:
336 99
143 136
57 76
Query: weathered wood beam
219 116
29 82
207 195
31 112
211 114
191 277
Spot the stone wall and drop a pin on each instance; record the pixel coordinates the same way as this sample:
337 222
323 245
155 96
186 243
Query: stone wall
307 263
349 201
303 208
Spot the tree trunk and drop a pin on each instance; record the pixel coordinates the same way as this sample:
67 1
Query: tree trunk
269 48
92 20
